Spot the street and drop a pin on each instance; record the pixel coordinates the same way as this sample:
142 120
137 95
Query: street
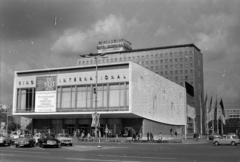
114 152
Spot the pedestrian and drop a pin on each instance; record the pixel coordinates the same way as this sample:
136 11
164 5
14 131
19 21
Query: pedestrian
148 136
175 133
160 137
134 136
151 136
138 136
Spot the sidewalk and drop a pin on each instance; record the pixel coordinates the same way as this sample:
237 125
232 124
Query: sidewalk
178 139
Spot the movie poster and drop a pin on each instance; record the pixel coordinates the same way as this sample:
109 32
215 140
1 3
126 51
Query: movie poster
45 100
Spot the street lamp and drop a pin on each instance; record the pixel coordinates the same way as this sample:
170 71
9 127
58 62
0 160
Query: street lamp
95 56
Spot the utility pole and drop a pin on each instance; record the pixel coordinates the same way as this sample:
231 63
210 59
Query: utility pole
95 90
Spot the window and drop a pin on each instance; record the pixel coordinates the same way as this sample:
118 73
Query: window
26 99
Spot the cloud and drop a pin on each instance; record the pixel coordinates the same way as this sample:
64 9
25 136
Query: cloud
75 40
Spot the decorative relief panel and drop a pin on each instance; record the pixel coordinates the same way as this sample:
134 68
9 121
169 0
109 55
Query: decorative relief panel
157 98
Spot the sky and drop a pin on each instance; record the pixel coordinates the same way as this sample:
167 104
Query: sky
40 34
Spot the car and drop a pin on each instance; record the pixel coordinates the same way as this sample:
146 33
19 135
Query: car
65 139
5 139
25 140
226 140
212 136
48 139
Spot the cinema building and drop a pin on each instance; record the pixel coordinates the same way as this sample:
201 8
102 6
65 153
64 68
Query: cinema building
129 98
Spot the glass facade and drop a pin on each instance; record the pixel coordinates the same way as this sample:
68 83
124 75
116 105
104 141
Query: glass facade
80 98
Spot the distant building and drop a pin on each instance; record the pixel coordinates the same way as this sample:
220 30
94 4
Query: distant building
232 113
178 63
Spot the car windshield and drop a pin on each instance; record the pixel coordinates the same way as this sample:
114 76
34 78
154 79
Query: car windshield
49 136
64 135
25 136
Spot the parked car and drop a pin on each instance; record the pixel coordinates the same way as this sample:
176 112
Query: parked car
48 139
212 136
226 140
5 139
25 140
65 139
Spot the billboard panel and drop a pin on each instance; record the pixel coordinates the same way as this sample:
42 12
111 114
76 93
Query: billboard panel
156 98
45 100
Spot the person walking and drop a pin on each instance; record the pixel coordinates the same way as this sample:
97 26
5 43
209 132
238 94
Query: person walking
160 137
151 136
148 136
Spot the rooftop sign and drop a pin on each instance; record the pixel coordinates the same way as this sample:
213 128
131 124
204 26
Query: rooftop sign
114 46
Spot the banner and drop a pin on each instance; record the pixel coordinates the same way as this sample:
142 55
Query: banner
45 100
191 112
95 120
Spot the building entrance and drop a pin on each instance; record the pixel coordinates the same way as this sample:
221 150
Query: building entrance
70 128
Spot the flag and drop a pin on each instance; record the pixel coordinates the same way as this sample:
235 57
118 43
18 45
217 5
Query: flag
191 112
206 112
189 89
223 112
215 110
95 120
210 111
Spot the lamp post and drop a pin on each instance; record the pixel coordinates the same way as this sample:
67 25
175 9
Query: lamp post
96 56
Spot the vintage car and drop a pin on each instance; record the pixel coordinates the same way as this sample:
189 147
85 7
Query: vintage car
212 136
5 139
226 140
25 140
65 139
48 139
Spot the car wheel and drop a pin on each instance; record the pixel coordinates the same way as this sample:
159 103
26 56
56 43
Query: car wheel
233 143
216 143
16 146
71 144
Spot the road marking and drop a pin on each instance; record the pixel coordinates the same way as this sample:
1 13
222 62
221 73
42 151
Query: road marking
99 160
7 154
137 157
25 152
89 148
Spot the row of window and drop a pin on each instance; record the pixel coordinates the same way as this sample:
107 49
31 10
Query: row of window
109 96
186 58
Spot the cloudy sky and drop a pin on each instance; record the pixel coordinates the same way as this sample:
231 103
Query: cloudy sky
38 34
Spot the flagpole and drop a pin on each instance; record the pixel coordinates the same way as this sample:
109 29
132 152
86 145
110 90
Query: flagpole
201 115
217 116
